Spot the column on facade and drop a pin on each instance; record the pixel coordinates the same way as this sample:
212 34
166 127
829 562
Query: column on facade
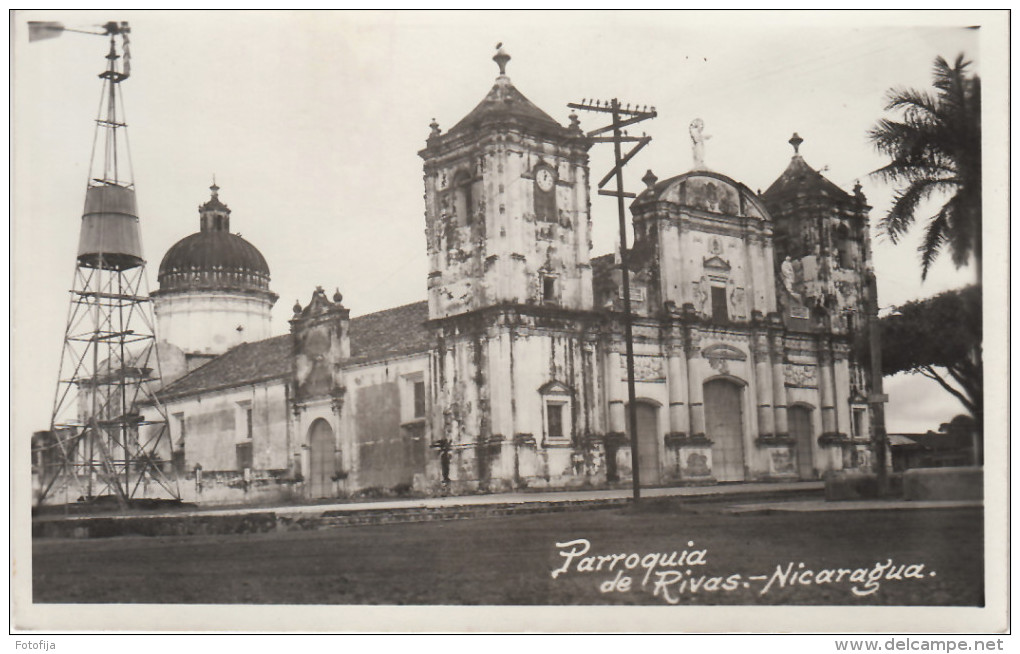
499 398
763 382
841 386
779 387
679 419
451 431
825 381
696 391
616 391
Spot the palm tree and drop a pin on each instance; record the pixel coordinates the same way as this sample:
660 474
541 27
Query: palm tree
935 151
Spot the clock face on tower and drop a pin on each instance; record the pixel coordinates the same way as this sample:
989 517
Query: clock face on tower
545 180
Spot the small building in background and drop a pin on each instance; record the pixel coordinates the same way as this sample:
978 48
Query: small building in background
954 444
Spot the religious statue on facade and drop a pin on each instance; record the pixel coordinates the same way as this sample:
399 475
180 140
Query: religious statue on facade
698 139
788 276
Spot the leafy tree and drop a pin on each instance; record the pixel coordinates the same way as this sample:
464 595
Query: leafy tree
940 338
935 151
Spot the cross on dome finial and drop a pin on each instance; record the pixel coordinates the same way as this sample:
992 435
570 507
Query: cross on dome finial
215 189
795 141
501 57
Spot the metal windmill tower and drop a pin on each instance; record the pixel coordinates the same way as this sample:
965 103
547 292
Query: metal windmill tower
109 434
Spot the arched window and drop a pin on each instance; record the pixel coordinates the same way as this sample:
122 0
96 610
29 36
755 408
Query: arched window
844 247
463 202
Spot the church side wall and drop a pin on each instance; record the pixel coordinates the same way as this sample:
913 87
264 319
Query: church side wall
385 433
215 428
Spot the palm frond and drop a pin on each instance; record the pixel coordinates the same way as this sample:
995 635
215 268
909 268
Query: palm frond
934 147
901 216
934 238
907 172
961 231
925 103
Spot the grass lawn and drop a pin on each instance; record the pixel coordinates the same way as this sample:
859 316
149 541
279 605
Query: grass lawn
509 560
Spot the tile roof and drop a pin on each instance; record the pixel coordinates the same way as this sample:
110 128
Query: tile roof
390 333
247 363
798 178
504 101
385 334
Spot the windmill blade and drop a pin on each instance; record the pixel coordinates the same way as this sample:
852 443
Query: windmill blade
39 30
44 29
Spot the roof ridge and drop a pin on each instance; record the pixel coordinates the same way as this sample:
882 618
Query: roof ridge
506 99
402 306
793 176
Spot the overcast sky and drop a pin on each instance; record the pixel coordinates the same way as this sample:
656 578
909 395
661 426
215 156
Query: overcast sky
311 122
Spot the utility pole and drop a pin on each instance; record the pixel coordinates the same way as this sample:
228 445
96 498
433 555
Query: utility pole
622 117
877 398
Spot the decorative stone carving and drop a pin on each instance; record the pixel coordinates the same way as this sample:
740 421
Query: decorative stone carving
701 295
647 368
782 461
802 376
721 366
722 351
737 301
695 461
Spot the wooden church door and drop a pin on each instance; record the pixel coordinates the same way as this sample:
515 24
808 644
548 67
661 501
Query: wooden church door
724 422
321 459
800 428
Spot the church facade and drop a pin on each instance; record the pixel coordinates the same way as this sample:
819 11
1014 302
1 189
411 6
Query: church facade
512 375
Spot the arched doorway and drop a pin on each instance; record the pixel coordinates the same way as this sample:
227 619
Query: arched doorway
648 441
801 430
724 424
321 459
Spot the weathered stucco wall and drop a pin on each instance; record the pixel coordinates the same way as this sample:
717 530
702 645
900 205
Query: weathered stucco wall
494 385
494 235
213 424
389 443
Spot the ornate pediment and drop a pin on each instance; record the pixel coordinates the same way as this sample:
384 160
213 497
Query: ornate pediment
319 305
722 351
555 388
716 263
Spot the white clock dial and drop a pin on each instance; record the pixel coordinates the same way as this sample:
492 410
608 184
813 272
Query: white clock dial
545 179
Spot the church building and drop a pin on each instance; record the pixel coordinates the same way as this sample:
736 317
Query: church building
512 374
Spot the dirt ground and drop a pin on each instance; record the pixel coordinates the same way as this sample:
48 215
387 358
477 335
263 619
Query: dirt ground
915 557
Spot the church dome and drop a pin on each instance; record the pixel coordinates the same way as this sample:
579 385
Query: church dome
213 258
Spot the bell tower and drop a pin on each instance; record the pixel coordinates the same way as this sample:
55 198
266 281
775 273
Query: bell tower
510 281
506 207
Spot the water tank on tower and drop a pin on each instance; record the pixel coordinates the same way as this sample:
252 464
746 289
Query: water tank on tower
109 235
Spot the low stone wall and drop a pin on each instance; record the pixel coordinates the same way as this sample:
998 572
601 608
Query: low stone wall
264 521
854 485
963 483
